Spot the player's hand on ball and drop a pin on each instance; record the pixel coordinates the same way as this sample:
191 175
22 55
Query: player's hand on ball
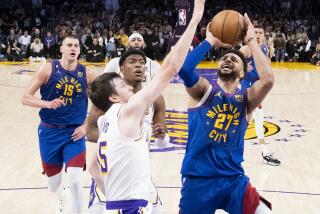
250 30
214 41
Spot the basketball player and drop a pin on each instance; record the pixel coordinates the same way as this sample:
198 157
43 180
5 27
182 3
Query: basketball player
135 41
63 109
218 113
248 80
133 74
123 149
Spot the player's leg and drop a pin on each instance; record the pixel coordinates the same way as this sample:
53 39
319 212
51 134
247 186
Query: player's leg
242 196
74 158
198 194
156 204
97 201
268 157
52 162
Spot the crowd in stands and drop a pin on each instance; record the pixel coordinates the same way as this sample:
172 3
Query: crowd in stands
35 32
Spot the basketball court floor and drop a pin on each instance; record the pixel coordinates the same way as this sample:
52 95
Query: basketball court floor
292 127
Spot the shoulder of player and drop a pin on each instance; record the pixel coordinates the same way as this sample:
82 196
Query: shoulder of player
111 65
90 76
44 72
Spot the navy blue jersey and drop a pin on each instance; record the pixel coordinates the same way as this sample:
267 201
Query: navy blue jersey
252 76
71 86
216 135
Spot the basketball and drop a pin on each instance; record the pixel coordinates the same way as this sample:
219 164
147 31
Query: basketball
229 27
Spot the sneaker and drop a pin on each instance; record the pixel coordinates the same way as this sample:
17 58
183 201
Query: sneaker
270 159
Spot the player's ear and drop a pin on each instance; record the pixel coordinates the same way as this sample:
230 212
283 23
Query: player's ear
114 98
121 69
241 74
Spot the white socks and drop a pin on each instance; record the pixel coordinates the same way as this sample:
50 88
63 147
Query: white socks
75 176
263 209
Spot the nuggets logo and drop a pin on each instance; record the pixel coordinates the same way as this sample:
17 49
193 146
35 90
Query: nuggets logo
80 74
69 86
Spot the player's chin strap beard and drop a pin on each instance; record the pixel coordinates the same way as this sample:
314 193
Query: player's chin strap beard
227 76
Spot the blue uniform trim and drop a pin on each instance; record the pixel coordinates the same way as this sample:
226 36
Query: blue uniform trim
187 72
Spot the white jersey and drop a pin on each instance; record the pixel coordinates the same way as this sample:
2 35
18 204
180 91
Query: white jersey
125 162
152 68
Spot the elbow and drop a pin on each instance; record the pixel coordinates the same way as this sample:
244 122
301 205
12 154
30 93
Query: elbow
268 81
23 100
90 136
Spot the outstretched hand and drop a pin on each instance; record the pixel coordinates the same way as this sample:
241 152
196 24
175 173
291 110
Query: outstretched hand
250 29
198 10
214 41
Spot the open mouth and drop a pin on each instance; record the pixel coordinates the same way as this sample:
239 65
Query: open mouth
73 54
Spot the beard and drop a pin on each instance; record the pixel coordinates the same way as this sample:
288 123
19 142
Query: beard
227 76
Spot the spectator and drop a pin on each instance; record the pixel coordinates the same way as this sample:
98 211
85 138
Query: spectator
304 48
315 59
13 51
270 44
152 45
120 48
25 41
279 46
36 51
110 45
95 52
50 45
123 37
291 47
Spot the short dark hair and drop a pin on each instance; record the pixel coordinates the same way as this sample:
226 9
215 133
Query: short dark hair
240 54
129 52
101 89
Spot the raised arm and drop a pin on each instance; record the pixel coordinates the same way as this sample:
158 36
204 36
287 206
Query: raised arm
172 63
260 88
197 86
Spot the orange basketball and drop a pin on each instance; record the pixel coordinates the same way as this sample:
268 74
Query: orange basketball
229 27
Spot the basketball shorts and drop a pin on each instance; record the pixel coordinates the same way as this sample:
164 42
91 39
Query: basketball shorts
57 148
97 201
128 207
205 195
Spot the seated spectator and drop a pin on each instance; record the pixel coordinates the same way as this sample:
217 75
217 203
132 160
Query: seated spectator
14 51
291 47
270 44
95 52
25 41
279 46
110 45
315 59
304 45
50 45
120 48
123 37
36 51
